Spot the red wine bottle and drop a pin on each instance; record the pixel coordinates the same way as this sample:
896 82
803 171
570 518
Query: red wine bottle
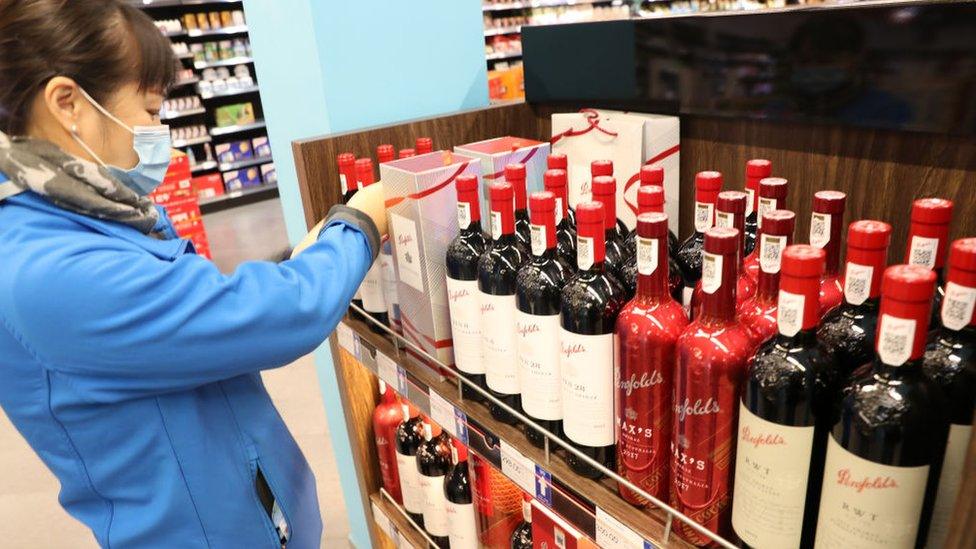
409 435
772 196
348 182
558 161
711 366
757 315
522 536
406 153
848 332
555 182
515 175
589 304
537 289
372 291
651 176
497 273
689 256
387 416
950 362
756 169
462 529
826 225
730 211
424 145
647 330
463 254
650 199
498 502
605 192
785 415
604 168
385 153
433 463
885 451
928 244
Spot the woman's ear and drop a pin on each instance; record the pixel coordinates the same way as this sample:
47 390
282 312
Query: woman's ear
62 98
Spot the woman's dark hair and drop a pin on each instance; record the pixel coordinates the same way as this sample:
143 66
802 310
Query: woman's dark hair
100 44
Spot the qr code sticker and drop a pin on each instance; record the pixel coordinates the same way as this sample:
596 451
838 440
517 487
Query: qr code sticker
819 230
858 286
895 339
957 306
789 316
708 268
893 343
923 251
703 214
771 253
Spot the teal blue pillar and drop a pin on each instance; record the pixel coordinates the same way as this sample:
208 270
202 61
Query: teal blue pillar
327 66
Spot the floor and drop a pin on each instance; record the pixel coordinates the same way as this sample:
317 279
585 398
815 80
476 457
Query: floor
31 514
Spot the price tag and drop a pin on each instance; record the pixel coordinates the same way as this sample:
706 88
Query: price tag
386 369
401 383
612 534
543 485
518 467
461 423
383 521
442 412
347 339
402 542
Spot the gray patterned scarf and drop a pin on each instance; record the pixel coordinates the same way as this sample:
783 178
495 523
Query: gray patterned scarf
73 183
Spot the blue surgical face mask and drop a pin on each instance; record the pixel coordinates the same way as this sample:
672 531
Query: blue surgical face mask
152 145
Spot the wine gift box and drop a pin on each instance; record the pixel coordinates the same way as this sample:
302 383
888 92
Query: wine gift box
499 152
422 206
550 530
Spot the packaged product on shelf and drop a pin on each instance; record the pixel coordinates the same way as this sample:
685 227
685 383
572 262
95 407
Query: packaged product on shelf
208 186
268 174
236 114
234 151
236 180
497 153
261 147
422 205
550 530
630 140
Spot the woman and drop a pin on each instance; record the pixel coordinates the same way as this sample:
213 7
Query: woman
129 363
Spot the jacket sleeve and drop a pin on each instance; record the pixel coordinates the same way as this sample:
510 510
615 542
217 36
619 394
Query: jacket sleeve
120 323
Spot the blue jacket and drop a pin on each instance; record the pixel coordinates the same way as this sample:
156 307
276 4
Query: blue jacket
130 365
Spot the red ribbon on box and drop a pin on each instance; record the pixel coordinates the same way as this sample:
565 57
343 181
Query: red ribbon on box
429 191
593 123
525 159
413 333
636 177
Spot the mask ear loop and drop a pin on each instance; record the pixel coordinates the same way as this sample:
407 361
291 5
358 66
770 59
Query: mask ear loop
77 138
104 111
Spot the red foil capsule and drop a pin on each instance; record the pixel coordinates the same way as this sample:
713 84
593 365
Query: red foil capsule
772 196
757 315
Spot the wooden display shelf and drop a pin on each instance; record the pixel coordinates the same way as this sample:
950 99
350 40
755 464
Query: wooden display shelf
390 520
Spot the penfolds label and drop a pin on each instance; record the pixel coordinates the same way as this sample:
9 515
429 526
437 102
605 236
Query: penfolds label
584 252
496 225
957 306
950 478
538 359
499 342
587 368
923 251
711 279
645 381
407 251
765 205
697 407
771 252
462 532
896 336
724 219
465 308
789 313
538 239
857 283
868 505
413 498
751 193
463 214
647 252
819 229
704 213
772 464
435 505
373 293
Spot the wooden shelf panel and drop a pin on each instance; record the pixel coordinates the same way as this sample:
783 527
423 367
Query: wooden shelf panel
398 530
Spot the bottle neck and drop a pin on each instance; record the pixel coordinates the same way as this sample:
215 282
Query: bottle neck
832 248
704 210
562 204
718 287
652 268
767 286
591 248
543 234
798 308
502 220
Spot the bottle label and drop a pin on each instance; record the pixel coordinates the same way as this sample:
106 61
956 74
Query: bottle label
703 216
765 205
923 251
465 307
789 313
587 367
868 505
538 357
711 272
957 306
407 246
498 342
647 251
342 184
462 532
435 505
496 225
751 193
464 215
949 480
896 336
771 253
584 252
857 283
559 210
538 239
819 229
374 295
724 219
413 498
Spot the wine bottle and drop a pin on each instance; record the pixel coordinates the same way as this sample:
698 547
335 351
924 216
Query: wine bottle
463 254
604 168
537 289
589 304
950 362
826 224
848 332
711 365
650 199
372 291
406 153
433 463
651 176
785 415
387 416
555 182
424 145
647 330
497 501
689 257
385 153
885 451
522 536
558 161
515 175
497 273
772 196
757 315
461 527
928 243
409 435
605 192
348 185
756 169
730 211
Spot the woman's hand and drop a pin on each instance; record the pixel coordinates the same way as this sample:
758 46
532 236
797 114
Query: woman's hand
370 201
